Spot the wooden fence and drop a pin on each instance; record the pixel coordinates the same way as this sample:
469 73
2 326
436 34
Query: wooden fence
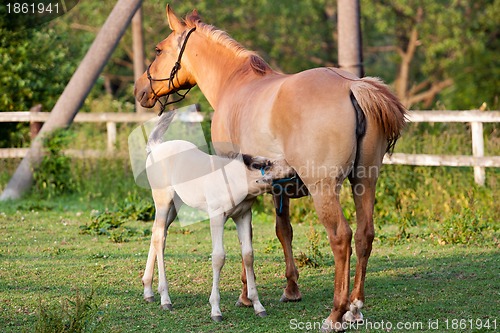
475 117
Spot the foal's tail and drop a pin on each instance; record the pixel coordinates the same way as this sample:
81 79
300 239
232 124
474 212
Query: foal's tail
382 106
156 136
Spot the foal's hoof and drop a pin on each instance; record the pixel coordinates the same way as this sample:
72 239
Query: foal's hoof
262 314
150 299
285 299
168 307
217 319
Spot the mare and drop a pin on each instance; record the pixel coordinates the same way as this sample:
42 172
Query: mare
326 123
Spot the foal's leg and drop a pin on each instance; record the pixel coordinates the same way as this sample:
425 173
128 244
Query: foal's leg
244 228
218 259
326 201
284 232
165 214
364 198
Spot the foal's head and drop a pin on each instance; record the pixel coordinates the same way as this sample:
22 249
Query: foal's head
167 73
262 172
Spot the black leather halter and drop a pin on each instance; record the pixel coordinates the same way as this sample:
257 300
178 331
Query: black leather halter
171 78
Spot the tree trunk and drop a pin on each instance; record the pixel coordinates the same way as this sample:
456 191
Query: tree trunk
349 34
75 93
138 46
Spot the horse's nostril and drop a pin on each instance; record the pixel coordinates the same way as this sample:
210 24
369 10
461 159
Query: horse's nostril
140 96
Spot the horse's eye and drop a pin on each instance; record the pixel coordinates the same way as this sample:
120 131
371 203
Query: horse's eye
158 51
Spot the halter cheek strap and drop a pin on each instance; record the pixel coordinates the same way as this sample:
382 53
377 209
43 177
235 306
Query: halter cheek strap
170 79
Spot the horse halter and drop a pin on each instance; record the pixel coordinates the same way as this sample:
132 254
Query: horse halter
170 79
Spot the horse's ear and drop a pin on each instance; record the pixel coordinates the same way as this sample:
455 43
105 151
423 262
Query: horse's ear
173 22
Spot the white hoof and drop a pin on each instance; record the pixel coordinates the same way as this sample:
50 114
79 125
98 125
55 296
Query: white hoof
354 314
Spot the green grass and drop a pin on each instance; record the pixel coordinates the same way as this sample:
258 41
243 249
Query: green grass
435 259
45 260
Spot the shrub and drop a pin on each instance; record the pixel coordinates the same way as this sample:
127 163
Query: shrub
54 176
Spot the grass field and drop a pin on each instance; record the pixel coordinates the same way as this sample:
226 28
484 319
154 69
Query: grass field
435 266
45 261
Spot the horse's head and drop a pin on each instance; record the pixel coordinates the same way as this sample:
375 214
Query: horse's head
167 73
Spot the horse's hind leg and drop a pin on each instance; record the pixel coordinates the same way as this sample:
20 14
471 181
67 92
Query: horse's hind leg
218 259
364 198
244 228
325 195
284 232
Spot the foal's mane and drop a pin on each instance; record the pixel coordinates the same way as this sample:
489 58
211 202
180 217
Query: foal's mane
256 62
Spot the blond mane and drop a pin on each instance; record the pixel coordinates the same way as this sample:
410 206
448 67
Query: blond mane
256 62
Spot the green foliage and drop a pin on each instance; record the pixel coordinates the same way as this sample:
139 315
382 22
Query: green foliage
78 315
458 43
466 227
54 176
111 223
36 65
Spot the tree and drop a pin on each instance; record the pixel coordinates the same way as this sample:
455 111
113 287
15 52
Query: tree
431 47
74 94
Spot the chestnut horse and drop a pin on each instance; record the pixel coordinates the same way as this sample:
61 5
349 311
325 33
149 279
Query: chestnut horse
326 123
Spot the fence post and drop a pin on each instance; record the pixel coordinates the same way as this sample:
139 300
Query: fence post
35 126
111 130
478 150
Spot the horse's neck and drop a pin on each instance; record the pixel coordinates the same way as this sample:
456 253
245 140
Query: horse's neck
214 67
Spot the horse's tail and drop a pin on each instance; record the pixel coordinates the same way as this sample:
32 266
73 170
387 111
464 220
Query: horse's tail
381 105
156 136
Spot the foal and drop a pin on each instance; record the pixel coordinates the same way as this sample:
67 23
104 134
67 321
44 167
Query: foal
180 173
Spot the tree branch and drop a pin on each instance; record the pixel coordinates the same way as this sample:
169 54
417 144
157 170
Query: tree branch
429 94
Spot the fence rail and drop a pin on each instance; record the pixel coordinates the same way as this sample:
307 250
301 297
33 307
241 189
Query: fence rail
475 117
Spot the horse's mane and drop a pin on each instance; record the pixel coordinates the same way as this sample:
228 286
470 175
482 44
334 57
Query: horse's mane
256 62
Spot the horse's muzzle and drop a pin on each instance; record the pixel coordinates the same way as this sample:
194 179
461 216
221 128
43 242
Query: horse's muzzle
143 93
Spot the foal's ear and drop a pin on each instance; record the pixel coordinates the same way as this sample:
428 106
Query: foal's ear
173 22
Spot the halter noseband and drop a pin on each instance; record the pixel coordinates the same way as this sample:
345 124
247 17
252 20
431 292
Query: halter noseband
171 78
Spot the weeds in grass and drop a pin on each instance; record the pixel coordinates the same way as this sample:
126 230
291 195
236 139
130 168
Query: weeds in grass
111 223
466 227
77 315
313 257
272 245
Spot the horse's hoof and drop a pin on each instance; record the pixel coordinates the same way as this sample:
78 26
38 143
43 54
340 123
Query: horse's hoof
350 317
217 319
354 315
150 299
262 314
285 299
168 307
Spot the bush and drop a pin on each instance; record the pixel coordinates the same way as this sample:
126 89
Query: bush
54 176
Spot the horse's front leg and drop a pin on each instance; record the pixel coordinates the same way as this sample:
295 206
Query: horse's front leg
218 259
244 228
284 232
165 214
